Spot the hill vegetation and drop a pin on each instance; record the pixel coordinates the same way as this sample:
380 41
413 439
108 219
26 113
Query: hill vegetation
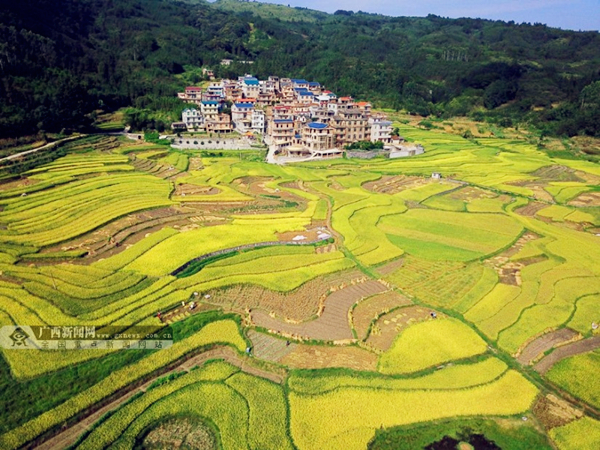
62 60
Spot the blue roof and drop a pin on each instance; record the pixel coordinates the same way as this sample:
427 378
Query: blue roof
284 121
251 81
244 105
210 103
314 83
307 93
298 81
317 125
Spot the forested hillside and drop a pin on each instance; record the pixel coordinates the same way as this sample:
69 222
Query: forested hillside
62 59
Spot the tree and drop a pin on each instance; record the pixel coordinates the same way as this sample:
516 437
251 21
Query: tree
590 96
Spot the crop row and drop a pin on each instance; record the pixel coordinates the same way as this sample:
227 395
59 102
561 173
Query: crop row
430 343
348 417
457 376
224 331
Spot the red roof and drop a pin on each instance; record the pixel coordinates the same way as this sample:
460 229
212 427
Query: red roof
193 88
363 104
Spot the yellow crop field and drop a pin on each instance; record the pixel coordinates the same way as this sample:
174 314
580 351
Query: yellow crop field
318 420
457 376
493 302
587 312
579 376
583 434
105 236
267 422
430 343
175 251
225 331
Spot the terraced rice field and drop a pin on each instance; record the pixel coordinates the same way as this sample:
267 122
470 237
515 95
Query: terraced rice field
428 288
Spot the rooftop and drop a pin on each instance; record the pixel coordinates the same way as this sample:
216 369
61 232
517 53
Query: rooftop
244 105
317 125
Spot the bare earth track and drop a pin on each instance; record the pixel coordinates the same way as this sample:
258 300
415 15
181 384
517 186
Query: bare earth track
542 344
332 324
70 435
584 346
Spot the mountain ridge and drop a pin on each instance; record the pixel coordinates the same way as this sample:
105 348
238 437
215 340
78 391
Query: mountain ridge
61 60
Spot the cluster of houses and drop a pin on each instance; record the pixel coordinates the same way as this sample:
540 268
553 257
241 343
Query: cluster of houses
295 118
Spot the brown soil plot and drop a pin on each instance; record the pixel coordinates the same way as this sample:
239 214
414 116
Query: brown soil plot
387 327
370 309
332 324
298 305
322 357
539 346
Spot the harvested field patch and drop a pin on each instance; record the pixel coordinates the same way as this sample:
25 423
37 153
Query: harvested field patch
326 248
370 309
180 432
298 305
575 348
384 331
270 348
323 357
555 412
469 193
390 267
535 349
332 323
311 235
509 271
531 209
395 184
586 199
120 234
191 189
556 173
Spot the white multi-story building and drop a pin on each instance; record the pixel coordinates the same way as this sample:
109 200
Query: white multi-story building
192 118
258 121
381 130
241 115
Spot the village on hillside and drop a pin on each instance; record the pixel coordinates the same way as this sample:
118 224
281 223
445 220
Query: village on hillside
298 120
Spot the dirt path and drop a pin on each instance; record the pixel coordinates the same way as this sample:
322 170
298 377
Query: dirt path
542 344
332 324
49 146
584 346
70 435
